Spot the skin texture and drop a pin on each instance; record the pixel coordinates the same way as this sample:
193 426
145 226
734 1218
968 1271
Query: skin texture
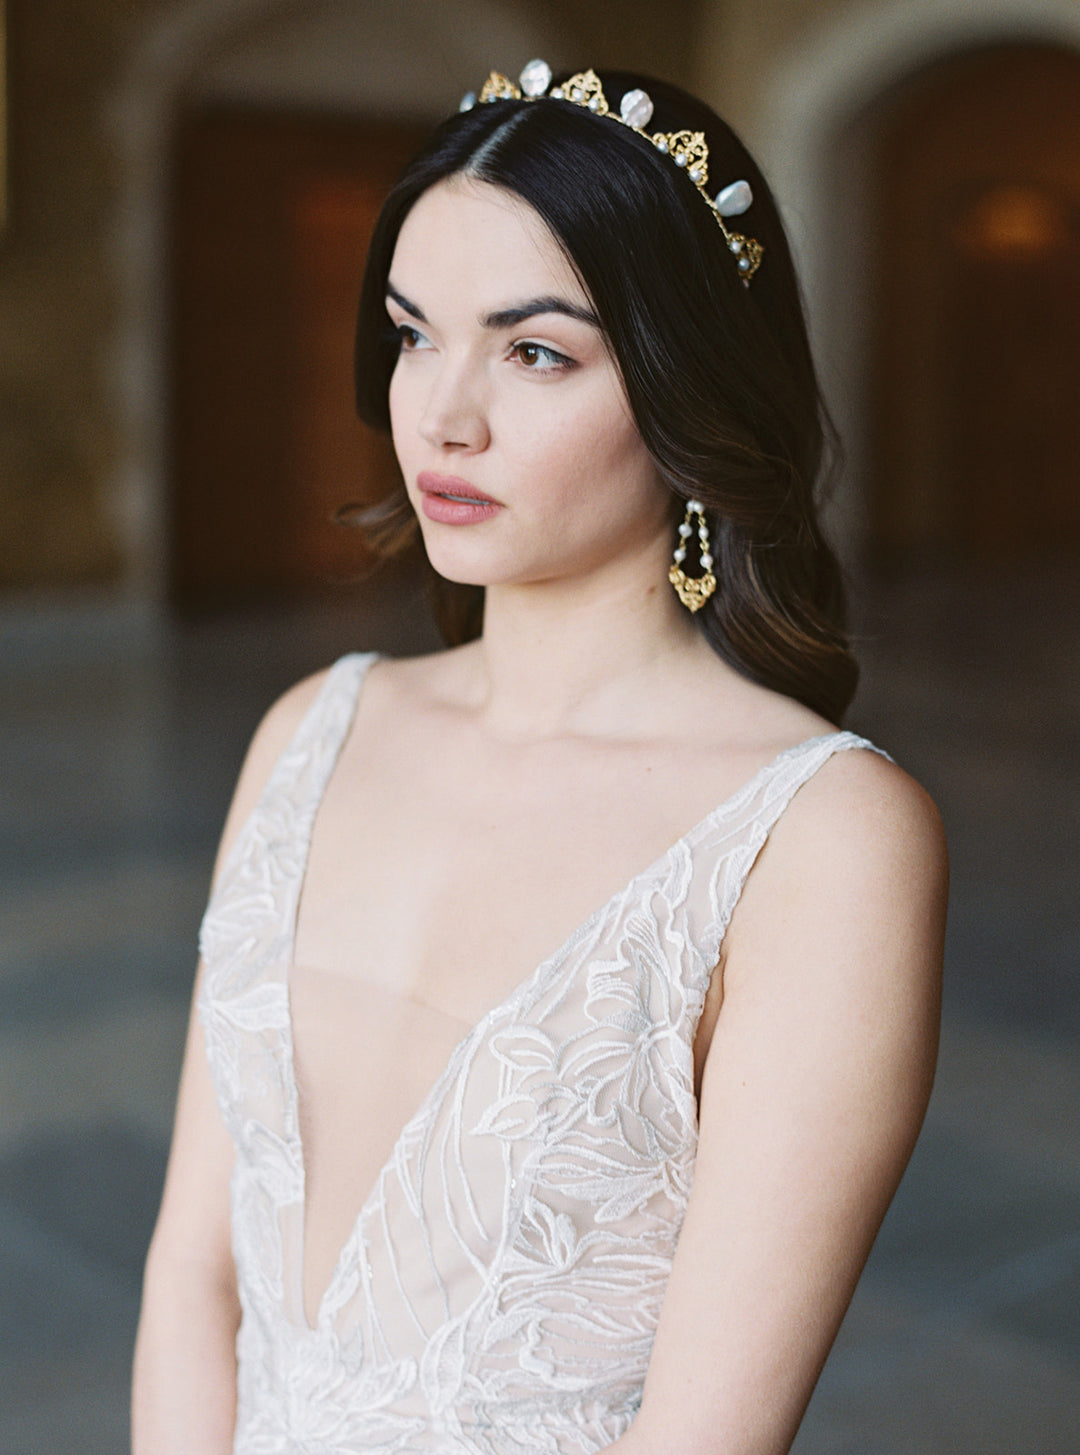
575 497
583 734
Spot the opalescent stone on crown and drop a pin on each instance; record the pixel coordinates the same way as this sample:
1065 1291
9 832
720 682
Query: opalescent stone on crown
468 101
734 199
535 78
636 108
687 149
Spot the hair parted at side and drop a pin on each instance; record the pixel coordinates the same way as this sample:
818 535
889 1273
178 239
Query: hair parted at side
719 375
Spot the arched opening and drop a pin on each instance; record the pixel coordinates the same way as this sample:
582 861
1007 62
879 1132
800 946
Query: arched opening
329 65
812 112
272 213
973 440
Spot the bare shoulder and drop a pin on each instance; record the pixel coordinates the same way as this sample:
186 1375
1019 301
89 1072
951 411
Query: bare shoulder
815 1073
857 869
861 814
271 738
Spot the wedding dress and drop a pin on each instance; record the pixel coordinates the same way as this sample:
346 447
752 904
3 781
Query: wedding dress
500 1288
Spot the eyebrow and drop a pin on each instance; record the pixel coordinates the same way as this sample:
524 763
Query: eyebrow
510 317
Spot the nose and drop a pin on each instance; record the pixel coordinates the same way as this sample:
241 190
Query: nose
454 415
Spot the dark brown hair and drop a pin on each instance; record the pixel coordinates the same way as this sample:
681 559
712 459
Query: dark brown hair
718 374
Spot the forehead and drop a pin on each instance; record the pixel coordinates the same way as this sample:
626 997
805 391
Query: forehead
469 236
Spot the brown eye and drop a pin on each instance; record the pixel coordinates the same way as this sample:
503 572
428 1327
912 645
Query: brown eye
541 358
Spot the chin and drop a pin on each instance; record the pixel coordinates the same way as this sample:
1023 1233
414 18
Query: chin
461 573
466 567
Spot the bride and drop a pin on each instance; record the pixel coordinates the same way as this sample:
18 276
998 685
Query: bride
568 1003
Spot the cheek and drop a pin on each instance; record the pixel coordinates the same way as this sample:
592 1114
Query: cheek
606 444
402 413
576 434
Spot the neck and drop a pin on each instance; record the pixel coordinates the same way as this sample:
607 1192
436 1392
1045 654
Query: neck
593 656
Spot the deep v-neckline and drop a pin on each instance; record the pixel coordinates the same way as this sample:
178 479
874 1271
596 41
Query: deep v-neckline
518 992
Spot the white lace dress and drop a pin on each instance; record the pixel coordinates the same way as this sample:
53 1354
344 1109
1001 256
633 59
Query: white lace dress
501 1286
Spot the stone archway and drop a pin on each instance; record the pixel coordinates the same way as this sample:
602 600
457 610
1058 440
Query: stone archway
798 116
974 431
377 59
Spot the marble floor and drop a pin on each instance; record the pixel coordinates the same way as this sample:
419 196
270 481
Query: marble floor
120 735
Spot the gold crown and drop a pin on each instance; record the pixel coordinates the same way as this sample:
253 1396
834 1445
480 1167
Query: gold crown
687 149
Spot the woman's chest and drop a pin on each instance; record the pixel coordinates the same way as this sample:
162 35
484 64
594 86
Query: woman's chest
448 876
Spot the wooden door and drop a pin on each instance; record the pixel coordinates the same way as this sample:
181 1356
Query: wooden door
271 221
1011 429
976 409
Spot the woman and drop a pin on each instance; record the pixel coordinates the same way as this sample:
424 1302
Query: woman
620 1200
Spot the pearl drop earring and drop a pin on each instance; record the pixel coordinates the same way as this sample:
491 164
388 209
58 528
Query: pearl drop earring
693 591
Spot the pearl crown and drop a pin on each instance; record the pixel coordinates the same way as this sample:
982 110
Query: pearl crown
687 149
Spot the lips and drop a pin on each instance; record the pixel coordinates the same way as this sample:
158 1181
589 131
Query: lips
453 501
450 487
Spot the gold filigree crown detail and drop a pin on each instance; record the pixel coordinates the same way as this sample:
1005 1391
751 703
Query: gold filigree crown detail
687 149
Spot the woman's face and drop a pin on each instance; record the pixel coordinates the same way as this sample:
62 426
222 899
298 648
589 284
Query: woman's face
518 448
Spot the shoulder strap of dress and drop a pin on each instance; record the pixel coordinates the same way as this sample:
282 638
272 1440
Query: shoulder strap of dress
787 773
299 777
246 931
303 770
767 798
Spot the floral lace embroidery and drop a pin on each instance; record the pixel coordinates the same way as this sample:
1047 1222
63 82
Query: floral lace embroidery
501 1286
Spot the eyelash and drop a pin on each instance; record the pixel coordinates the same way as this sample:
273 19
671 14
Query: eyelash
408 337
558 362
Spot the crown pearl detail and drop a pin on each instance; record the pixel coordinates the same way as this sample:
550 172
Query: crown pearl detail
636 109
535 79
687 149
734 199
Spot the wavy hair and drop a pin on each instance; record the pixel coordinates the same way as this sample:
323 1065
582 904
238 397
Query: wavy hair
719 376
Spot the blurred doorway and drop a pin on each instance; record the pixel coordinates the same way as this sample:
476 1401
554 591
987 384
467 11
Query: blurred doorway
272 215
975 405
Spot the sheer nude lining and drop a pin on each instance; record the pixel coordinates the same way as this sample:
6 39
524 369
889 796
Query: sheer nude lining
386 1052
499 1288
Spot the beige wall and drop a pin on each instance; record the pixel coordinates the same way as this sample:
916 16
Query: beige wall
58 435
740 43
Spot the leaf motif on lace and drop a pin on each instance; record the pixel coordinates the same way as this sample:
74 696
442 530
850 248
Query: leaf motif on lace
500 1288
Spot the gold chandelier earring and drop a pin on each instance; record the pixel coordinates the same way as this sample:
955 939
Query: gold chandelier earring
693 591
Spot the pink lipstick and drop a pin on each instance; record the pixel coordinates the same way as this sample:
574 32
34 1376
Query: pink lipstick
452 501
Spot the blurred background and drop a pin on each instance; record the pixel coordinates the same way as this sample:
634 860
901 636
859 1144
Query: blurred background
187 189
